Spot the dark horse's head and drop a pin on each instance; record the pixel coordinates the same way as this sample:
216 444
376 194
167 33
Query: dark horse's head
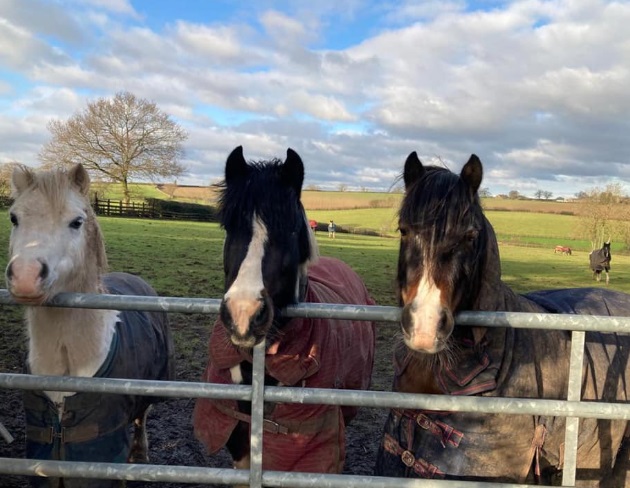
442 248
268 243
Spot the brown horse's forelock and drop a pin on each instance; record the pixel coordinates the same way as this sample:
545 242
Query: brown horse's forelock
440 209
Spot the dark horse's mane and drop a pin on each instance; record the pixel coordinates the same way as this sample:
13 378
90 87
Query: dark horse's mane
443 209
265 193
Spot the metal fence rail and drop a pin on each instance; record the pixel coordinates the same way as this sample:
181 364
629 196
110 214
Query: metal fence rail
572 408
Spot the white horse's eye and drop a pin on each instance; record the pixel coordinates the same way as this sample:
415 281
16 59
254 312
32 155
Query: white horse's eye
76 223
14 219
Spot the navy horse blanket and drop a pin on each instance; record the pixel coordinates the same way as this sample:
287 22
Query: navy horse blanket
94 427
599 260
515 363
311 352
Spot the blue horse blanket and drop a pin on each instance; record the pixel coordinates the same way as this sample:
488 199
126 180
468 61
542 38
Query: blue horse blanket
94 427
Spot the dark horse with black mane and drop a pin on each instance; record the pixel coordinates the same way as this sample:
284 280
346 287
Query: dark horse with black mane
270 262
449 262
600 261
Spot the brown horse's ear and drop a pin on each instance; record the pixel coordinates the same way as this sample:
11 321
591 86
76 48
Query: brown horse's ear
472 173
293 171
235 167
413 170
21 178
80 177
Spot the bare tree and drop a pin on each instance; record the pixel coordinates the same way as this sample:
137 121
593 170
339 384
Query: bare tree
606 215
6 170
122 138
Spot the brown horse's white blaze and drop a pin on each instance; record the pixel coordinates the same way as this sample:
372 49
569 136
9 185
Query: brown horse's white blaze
427 320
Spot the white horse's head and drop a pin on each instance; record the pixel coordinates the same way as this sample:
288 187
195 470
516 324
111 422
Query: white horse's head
56 244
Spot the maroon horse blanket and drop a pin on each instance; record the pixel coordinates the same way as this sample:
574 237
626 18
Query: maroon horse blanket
313 353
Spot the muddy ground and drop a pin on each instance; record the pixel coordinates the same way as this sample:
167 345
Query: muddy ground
169 426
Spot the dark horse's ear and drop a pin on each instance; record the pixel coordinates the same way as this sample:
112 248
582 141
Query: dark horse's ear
472 173
293 171
413 169
235 167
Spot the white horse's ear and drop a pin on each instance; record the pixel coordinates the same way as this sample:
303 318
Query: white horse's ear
21 179
80 177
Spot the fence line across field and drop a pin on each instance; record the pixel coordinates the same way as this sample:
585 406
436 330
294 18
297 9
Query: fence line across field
257 393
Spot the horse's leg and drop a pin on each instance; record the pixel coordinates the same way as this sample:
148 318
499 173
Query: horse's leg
607 277
140 445
239 449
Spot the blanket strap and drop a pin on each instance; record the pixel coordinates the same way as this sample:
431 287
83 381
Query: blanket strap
268 425
420 466
446 433
534 452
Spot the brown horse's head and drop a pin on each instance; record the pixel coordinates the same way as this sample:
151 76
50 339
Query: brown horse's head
56 244
268 243
441 256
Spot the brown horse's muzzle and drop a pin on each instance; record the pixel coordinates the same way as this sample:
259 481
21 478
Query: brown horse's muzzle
424 331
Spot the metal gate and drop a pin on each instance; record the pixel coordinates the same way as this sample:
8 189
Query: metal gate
257 393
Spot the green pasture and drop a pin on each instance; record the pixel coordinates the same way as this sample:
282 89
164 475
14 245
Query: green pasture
185 258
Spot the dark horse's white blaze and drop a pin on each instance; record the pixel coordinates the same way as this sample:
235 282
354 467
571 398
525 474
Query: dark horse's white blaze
244 298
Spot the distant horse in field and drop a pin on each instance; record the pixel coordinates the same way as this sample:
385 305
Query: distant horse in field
600 261
270 262
562 250
56 246
449 262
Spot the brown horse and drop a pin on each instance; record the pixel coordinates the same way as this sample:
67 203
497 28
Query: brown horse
56 246
566 250
449 262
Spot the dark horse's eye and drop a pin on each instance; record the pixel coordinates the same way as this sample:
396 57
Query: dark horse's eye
403 231
471 235
76 223
14 219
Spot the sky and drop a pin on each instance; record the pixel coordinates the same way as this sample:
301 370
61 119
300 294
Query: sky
539 90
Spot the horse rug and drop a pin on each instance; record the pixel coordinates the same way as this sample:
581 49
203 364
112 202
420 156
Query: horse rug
599 261
311 352
94 427
430 444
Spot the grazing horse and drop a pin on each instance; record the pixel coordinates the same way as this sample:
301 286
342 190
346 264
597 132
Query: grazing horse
562 250
449 262
270 262
600 261
56 246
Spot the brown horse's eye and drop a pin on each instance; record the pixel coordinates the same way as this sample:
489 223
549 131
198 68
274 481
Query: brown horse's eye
14 220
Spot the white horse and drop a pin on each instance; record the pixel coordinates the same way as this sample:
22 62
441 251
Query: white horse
56 246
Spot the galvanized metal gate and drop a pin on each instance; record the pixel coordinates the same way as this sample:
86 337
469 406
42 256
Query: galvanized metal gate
572 408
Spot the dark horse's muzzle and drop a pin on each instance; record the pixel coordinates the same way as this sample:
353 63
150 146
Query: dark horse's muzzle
247 320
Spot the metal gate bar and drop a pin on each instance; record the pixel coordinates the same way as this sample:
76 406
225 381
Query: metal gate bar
258 393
